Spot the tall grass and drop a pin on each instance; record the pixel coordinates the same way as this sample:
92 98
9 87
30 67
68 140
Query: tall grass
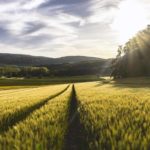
44 129
114 116
18 105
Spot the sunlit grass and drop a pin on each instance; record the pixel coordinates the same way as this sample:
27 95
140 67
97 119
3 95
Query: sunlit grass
16 104
44 129
115 116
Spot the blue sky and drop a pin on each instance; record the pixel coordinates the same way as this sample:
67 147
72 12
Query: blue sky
56 28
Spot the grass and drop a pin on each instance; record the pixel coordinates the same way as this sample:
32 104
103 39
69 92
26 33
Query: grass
44 129
45 81
106 114
15 87
115 117
16 106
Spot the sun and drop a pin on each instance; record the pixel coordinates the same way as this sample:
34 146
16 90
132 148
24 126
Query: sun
131 17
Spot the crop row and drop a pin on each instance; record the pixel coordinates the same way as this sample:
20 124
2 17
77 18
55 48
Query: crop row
44 129
16 107
115 117
12 90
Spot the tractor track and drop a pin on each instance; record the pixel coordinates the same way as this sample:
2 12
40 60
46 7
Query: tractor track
21 115
75 138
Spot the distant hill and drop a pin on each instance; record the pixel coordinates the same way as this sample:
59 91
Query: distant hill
24 65
28 60
76 59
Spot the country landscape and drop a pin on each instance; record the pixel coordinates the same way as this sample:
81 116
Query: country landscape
74 75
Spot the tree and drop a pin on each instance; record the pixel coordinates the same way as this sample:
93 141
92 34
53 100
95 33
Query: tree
133 59
116 63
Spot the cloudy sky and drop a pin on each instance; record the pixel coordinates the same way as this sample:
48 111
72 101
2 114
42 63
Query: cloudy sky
57 28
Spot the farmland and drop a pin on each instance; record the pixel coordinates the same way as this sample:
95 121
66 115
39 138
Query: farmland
97 115
8 83
43 129
115 116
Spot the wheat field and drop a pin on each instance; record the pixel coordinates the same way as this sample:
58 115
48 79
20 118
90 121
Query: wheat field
83 116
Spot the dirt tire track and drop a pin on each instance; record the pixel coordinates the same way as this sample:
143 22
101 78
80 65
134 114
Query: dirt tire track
75 138
24 113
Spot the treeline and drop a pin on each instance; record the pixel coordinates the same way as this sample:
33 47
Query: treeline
14 71
99 68
133 58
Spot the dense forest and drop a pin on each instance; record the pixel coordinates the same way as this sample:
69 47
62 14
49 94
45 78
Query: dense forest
133 58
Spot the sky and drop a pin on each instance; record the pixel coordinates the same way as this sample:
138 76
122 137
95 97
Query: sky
56 28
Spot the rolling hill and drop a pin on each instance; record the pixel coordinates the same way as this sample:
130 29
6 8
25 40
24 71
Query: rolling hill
28 60
63 66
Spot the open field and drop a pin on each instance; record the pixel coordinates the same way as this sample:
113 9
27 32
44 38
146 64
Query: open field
14 82
43 129
115 116
8 87
97 115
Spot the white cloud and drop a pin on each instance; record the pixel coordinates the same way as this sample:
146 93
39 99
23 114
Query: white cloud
40 27
8 7
31 4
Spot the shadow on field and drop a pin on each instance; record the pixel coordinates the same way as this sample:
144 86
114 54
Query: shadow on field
75 138
132 83
24 113
125 83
